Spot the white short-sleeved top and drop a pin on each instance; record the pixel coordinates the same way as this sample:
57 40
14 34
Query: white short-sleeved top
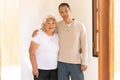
47 52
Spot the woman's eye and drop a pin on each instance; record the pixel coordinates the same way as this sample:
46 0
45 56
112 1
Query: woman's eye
66 11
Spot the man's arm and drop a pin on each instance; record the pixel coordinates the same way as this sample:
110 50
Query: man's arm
84 47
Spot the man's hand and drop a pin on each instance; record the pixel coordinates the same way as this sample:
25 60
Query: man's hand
80 50
34 33
83 67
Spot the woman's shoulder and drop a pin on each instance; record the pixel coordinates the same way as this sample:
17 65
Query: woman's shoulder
39 33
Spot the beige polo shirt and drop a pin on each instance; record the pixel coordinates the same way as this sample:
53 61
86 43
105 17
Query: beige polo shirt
72 38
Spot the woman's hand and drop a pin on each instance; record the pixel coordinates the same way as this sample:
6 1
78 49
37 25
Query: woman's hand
36 72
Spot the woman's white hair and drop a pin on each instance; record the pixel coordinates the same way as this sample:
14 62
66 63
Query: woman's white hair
47 17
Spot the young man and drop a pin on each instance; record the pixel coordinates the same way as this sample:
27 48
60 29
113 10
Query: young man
73 39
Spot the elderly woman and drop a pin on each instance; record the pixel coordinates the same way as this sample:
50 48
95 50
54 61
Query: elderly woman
43 51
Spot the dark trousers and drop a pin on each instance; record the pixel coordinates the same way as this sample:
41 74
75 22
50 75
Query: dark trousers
66 70
47 75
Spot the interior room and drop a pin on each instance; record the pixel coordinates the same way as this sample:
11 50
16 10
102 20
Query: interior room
19 18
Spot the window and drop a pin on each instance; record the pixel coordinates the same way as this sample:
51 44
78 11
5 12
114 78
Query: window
95 27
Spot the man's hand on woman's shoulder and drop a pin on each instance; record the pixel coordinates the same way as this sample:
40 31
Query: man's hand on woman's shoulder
35 33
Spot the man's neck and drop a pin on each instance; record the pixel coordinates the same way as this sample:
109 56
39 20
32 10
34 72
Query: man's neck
68 21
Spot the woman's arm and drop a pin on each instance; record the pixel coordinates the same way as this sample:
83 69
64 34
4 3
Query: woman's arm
32 50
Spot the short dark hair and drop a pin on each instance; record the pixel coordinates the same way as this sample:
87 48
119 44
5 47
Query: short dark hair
64 4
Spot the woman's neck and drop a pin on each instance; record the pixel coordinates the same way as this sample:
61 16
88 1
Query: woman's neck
49 33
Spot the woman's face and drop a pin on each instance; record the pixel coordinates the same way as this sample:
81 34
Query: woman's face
50 25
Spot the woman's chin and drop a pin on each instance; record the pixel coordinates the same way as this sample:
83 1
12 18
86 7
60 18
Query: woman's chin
51 30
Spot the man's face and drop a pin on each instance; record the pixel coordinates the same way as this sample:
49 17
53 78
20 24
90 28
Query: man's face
65 12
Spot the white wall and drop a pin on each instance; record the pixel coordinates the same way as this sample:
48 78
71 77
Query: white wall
31 14
116 39
9 41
